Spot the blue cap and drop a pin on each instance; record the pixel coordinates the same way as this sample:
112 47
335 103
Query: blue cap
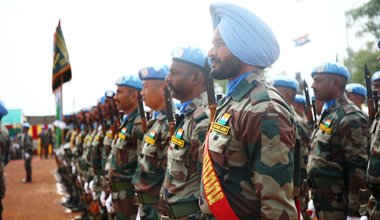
285 81
331 68
154 72
3 110
356 88
375 76
300 99
25 125
190 55
130 81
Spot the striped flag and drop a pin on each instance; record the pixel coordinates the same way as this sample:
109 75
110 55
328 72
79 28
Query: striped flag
61 63
302 40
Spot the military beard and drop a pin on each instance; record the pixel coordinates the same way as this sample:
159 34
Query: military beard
227 69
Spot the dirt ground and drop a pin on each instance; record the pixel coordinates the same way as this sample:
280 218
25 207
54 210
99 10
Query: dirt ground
36 200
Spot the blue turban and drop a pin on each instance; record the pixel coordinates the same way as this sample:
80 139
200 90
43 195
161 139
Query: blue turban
285 81
154 72
129 81
356 88
375 76
3 110
300 99
190 55
247 36
331 68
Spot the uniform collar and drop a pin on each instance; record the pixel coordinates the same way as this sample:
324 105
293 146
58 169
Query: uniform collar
245 84
335 103
190 106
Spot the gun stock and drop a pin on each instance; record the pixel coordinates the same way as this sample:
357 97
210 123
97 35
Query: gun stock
309 107
370 97
142 114
169 111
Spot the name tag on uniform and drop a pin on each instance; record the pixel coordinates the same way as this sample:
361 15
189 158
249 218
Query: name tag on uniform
220 126
177 138
150 138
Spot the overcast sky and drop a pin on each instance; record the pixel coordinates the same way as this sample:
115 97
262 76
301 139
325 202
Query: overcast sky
108 39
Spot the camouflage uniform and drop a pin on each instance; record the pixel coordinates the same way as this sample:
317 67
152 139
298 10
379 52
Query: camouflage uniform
373 171
26 144
124 158
182 180
151 167
4 156
254 161
338 160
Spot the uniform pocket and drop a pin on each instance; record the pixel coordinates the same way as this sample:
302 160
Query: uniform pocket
177 164
218 142
149 150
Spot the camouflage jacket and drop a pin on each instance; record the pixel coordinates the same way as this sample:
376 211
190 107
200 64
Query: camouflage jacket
125 149
254 158
96 152
338 148
4 146
182 179
106 151
26 142
151 167
373 170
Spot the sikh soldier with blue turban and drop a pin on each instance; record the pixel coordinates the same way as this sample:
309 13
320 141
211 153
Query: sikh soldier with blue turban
126 148
4 154
248 159
151 166
338 156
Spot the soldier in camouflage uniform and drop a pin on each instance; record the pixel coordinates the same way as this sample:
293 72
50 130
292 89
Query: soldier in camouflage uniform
248 159
26 144
126 148
4 154
338 157
356 93
373 171
186 82
151 166
288 87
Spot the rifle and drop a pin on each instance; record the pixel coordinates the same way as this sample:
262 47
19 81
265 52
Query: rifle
372 97
169 111
310 114
210 91
142 113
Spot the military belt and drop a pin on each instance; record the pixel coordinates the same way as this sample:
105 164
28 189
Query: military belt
119 186
182 209
322 181
145 199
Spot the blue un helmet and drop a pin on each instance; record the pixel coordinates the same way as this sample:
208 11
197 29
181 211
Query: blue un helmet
190 55
285 81
154 72
356 88
331 68
300 99
129 81
3 109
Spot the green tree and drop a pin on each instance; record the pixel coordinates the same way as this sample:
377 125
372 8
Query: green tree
369 17
356 60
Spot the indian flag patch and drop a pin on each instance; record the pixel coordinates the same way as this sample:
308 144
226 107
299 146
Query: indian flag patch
179 133
224 119
327 122
152 133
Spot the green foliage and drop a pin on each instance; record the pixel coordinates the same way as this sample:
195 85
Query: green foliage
369 14
356 60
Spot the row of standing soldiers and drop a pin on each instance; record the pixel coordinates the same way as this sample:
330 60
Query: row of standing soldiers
247 156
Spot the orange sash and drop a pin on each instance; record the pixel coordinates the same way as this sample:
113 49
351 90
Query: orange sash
213 192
